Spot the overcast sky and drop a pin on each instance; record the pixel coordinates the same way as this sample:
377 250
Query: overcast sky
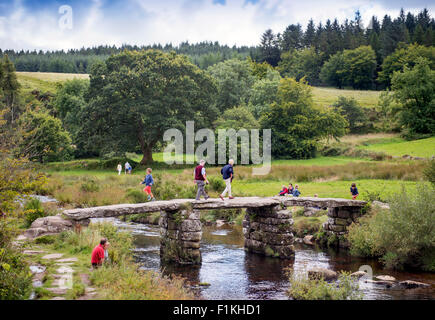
35 24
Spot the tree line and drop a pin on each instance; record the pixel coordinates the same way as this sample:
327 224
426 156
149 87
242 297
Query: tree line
337 54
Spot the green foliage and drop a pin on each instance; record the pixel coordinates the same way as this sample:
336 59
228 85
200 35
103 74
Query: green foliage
136 196
263 93
33 210
43 138
353 113
307 225
91 185
351 67
237 118
402 236
69 102
429 172
296 125
216 184
9 87
414 90
405 56
15 276
234 79
300 64
302 288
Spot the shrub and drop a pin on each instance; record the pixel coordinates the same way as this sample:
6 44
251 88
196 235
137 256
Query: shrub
15 276
216 184
33 210
307 225
90 186
302 288
136 196
402 236
429 172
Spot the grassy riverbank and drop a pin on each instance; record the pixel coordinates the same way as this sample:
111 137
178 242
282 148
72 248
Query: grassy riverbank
119 279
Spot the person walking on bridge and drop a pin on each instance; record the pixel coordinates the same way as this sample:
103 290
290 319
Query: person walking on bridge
201 180
227 174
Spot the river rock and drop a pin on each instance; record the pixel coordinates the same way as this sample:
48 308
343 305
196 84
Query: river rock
358 274
308 239
385 278
326 274
387 284
220 223
409 284
47 226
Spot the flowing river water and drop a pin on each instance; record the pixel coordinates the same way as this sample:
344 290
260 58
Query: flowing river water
228 272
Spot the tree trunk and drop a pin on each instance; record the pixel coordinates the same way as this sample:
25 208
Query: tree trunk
147 152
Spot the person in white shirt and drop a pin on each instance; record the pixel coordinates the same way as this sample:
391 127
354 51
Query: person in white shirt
119 168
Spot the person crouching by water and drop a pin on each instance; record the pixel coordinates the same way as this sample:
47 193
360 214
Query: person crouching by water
98 254
227 174
283 191
201 180
354 191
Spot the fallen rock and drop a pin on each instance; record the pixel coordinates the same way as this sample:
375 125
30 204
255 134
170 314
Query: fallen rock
299 240
358 274
409 284
52 256
37 269
33 252
308 239
48 226
59 291
385 278
326 274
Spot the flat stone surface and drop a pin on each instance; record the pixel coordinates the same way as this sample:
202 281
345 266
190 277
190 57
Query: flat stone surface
409 284
37 269
67 260
385 278
60 291
326 274
53 256
176 204
358 274
58 298
33 252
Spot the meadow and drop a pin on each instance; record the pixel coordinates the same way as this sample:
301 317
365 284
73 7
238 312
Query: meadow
399 147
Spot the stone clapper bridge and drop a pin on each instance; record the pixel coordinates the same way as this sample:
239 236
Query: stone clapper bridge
267 226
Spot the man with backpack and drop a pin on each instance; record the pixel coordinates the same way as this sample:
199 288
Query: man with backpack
227 174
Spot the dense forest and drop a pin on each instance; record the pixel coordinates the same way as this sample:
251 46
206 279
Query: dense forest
321 53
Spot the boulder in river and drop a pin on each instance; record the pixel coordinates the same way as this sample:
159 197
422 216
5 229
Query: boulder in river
47 226
326 274
308 239
385 278
409 284
358 274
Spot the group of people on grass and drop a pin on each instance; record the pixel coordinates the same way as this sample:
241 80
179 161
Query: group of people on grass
127 168
290 190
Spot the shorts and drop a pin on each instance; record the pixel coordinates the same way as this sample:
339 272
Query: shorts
147 189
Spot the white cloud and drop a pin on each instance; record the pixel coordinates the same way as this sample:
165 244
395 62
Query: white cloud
146 22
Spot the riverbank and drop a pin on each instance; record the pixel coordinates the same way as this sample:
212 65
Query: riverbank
61 269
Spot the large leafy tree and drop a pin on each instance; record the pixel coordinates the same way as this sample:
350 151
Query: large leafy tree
414 89
352 112
234 79
296 125
263 93
136 95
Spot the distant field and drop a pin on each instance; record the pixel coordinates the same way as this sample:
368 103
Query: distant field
322 96
327 96
45 82
398 147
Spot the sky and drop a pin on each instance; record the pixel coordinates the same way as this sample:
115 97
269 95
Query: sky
66 24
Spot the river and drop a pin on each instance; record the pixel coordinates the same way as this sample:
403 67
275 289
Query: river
228 272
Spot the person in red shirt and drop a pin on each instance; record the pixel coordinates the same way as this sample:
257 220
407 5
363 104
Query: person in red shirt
97 257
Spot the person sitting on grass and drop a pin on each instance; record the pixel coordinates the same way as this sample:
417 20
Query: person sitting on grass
296 191
283 191
148 181
98 254
290 188
354 191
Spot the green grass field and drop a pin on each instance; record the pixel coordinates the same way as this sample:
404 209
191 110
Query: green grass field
327 96
399 147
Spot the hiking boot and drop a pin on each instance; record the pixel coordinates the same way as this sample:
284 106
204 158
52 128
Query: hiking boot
230 197
149 198
153 199
220 196
207 197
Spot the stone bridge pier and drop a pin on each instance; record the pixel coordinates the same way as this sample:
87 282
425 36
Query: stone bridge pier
268 231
